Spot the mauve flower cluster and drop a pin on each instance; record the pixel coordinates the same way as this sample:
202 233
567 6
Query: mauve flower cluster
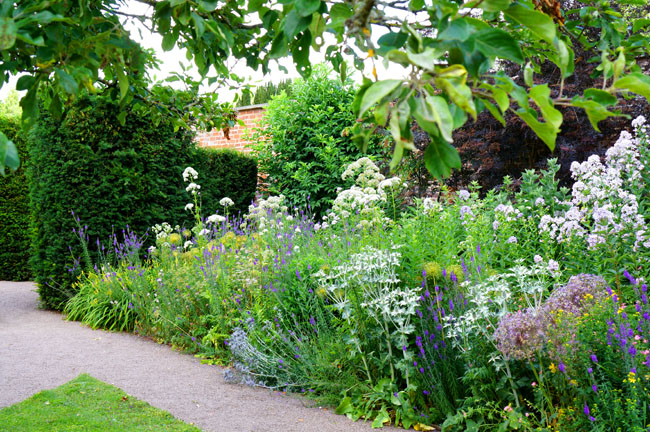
604 205
523 333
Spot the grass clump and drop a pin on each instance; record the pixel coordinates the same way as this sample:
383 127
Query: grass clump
87 404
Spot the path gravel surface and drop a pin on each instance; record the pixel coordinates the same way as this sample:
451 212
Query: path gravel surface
39 350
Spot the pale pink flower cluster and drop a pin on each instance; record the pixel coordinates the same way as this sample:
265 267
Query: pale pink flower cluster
602 206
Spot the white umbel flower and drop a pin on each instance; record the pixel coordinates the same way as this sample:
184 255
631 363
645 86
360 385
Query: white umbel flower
190 174
226 202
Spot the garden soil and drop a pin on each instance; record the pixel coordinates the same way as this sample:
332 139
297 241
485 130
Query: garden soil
40 350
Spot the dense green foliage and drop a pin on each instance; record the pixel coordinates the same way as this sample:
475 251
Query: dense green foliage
449 47
89 404
112 176
225 173
524 310
303 147
14 209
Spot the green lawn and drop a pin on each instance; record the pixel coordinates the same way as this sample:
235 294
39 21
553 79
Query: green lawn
86 404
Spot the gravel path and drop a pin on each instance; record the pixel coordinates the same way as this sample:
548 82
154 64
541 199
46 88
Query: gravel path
39 350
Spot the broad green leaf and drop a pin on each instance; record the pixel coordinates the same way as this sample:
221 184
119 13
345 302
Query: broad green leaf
426 60
376 92
8 154
458 29
29 103
199 24
541 95
538 23
528 75
494 111
306 7
381 113
636 83
391 41
121 117
345 406
453 71
169 40
640 23
294 24
600 96
501 98
494 5
440 157
25 82
300 54
122 81
459 94
595 111
382 417
27 38
8 32
545 131
565 58
339 13
66 81
434 109
497 43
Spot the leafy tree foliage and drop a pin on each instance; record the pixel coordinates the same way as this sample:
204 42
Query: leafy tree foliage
451 49
264 93
304 146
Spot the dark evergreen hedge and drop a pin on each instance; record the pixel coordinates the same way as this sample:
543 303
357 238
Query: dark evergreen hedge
14 210
112 176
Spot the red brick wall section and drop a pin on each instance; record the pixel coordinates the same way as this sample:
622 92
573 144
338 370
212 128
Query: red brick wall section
250 115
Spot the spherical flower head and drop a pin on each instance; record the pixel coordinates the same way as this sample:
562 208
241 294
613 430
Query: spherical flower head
463 195
188 244
152 249
512 240
539 202
521 335
457 270
226 202
538 259
174 238
433 271
190 174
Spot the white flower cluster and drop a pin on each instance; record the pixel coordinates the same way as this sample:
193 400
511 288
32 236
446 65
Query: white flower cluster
368 173
431 206
371 188
190 174
268 212
162 230
226 202
375 271
602 206
215 218
193 188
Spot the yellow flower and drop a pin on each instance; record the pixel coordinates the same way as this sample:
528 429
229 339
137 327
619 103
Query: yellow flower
631 377
552 368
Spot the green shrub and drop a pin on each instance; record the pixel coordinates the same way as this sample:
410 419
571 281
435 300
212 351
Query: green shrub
302 147
14 210
112 176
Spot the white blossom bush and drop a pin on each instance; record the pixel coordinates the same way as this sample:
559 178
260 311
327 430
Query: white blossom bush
604 210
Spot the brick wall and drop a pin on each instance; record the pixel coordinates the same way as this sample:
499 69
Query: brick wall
250 115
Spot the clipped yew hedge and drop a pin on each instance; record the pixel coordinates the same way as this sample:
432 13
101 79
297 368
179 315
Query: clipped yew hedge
14 210
111 176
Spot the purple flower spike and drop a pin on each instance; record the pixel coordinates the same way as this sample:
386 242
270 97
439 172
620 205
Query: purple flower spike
594 358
